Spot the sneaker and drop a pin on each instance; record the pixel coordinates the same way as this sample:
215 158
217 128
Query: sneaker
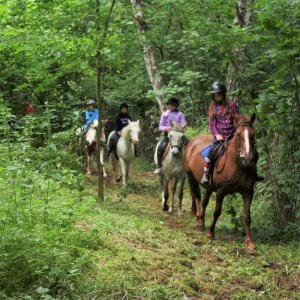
157 170
205 178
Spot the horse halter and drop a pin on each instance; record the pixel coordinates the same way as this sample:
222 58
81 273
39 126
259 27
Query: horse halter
179 147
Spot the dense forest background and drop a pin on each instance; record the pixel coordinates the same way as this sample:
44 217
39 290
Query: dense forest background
57 54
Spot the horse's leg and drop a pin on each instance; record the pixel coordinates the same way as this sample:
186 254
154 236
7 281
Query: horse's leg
180 196
102 161
165 194
172 189
196 197
247 219
123 172
204 204
88 162
127 165
217 212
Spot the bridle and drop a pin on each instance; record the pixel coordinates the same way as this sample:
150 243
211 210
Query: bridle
176 146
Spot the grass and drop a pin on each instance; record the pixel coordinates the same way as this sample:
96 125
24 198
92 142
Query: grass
126 247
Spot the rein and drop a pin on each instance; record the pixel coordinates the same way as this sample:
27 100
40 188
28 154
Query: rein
226 148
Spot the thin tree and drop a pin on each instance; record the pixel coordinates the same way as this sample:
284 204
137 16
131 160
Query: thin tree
100 87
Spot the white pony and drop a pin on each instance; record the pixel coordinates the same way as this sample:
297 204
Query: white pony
172 170
89 149
125 151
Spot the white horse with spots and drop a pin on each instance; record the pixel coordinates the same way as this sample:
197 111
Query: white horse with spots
172 171
90 148
125 151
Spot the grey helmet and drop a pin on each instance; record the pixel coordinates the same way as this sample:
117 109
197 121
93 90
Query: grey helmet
90 102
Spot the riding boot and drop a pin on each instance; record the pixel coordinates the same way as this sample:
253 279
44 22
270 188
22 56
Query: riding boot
206 177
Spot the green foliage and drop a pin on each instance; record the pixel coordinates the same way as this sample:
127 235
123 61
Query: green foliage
48 57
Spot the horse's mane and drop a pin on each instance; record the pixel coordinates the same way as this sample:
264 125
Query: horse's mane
242 119
177 127
130 126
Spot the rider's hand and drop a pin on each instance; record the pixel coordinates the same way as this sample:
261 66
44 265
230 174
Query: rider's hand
219 137
119 133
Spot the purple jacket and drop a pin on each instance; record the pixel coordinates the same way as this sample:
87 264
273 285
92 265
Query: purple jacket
174 116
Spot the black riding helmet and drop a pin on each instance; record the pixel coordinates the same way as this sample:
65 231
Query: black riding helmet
218 87
173 100
123 105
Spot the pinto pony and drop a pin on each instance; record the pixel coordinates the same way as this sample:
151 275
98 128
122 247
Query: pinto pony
124 151
234 172
90 146
172 170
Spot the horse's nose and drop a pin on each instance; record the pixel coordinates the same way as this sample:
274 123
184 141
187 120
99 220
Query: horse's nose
135 141
247 159
175 151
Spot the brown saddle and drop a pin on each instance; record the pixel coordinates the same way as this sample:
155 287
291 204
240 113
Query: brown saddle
218 153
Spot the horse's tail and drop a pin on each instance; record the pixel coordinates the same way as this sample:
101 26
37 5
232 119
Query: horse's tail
195 191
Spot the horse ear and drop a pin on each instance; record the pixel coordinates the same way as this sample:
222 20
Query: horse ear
184 127
253 117
171 123
138 121
129 121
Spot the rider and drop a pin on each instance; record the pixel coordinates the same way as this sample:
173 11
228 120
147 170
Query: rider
122 120
176 116
221 116
91 114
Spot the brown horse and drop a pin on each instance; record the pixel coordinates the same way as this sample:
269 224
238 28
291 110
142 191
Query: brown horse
234 172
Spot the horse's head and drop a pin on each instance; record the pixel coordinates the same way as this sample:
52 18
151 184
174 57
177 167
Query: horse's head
175 136
134 129
245 138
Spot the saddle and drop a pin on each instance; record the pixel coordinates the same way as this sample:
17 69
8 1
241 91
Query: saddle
217 154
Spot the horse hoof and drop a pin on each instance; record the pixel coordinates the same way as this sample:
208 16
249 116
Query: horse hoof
118 179
201 228
250 246
105 176
165 208
211 237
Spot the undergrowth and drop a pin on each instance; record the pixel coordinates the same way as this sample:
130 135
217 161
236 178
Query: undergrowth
59 242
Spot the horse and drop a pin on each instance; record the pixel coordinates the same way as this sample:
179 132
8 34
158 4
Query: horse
234 172
172 170
124 151
90 146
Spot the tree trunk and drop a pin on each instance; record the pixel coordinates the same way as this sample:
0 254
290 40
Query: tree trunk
150 57
100 91
236 69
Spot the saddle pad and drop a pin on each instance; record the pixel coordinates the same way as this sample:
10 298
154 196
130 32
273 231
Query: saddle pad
204 152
